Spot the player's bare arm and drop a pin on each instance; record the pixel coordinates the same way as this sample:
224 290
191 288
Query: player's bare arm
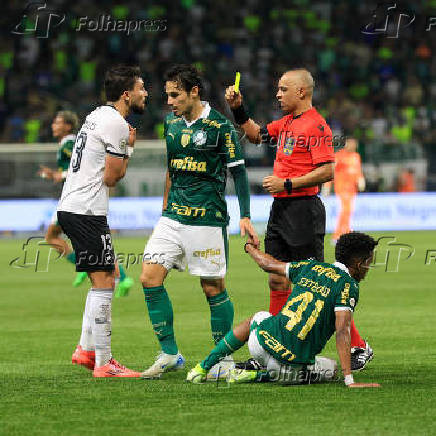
250 127
268 263
48 173
343 347
247 228
116 167
166 191
323 173
239 174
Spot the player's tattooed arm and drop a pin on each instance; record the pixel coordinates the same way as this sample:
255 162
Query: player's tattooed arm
116 166
268 263
166 191
115 169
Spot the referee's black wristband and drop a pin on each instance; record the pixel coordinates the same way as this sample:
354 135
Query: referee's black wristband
240 115
288 185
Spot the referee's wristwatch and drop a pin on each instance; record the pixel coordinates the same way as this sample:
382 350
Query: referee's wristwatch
288 185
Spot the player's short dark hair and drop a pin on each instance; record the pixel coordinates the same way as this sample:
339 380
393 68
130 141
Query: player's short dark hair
70 118
186 76
354 246
118 79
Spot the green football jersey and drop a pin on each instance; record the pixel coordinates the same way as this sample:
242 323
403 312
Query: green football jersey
198 155
307 321
63 155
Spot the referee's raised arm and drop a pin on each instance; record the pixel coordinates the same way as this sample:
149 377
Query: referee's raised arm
250 127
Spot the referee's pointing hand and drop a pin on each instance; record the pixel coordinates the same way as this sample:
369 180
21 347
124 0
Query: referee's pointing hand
273 184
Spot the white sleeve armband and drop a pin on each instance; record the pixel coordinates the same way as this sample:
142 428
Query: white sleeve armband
287 270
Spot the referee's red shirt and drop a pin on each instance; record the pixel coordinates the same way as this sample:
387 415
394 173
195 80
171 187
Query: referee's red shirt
303 142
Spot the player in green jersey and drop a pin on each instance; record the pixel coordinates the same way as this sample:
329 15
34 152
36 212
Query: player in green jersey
201 146
322 302
63 127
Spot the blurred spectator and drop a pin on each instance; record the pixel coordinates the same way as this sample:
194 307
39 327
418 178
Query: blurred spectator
365 81
406 180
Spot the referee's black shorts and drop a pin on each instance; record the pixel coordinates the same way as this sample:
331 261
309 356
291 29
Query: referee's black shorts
91 239
296 229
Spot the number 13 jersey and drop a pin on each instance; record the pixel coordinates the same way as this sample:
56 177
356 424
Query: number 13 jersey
104 131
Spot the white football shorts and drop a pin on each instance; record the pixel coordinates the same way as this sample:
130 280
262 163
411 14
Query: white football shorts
203 249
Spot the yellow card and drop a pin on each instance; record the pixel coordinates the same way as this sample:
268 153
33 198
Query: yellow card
237 80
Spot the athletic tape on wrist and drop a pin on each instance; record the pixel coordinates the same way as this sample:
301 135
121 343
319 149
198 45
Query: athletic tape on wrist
348 379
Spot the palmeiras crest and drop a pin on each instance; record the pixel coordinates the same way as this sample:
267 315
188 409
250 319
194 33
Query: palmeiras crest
199 138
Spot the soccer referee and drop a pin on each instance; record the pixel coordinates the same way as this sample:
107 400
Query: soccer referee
304 160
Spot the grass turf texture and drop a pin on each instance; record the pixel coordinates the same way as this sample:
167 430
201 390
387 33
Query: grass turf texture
43 393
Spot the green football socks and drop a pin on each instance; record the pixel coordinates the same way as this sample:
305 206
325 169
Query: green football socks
221 315
71 257
160 311
122 272
228 345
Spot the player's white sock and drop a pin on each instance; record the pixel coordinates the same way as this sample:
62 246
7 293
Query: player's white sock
101 310
86 339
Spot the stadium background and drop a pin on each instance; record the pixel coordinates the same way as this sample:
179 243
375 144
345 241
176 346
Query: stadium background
378 88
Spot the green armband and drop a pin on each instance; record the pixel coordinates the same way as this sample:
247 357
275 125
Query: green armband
239 174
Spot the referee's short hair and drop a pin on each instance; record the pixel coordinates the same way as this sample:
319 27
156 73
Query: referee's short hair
118 79
354 246
70 118
186 76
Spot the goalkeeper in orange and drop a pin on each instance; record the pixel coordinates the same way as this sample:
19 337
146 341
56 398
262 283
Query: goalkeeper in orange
348 180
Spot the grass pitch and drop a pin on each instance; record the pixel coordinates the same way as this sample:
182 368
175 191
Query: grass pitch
42 393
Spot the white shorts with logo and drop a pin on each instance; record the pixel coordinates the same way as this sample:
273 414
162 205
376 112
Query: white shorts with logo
201 248
322 370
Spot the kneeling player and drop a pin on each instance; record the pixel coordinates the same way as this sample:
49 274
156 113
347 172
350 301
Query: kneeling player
322 302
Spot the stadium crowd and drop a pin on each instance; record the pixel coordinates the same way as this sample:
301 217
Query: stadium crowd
370 86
